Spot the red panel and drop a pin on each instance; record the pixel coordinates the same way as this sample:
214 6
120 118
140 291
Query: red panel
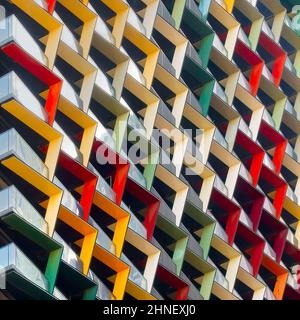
275 233
253 206
255 76
255 163
121 167
182 289
279 244
279 186
150 218
278 69
256 257
231 225
228 214
256 166
279 56
292 252
278 199
51 5
256 246
87 177
39 71
149 200
120 181
254 61
279 142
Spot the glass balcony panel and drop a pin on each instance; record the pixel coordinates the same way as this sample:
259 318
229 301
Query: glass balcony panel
136 225
16 32
69 256
12 142
57 293
136 124
244 82
102 238
13 257
267 30
290 66
292 281
134 275
136 175
24 208
102 185
101 79
220 92
217 43
67 36
68 91
101 28
68 200
220 139
102 133
246 265
103 293
133 70
218 183
134 20
219 231
244 38
12 86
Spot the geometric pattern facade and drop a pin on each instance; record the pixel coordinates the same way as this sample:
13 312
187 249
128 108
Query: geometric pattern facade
211 214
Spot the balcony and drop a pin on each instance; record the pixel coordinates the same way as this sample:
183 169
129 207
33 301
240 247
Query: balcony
135 174
12 143
12 87
21 272
13 202
69 256
14 31
134 223
220 139
103 293
102 238
102 186
68 200
135 276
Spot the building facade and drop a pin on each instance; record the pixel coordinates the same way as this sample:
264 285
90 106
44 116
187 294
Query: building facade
149 149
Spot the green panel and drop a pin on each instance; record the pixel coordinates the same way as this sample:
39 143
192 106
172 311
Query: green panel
52 267
206 237
204 8
179 253
205 49
207 283
178 12
150 169
26 288
90 293
48 244
205 97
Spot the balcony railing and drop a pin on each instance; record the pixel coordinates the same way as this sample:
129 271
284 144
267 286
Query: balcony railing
102 238
102 186
220 139
134 275
15 31
11 199
69 256
11 257
136 175
68 200
103 293
12 142
11 86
